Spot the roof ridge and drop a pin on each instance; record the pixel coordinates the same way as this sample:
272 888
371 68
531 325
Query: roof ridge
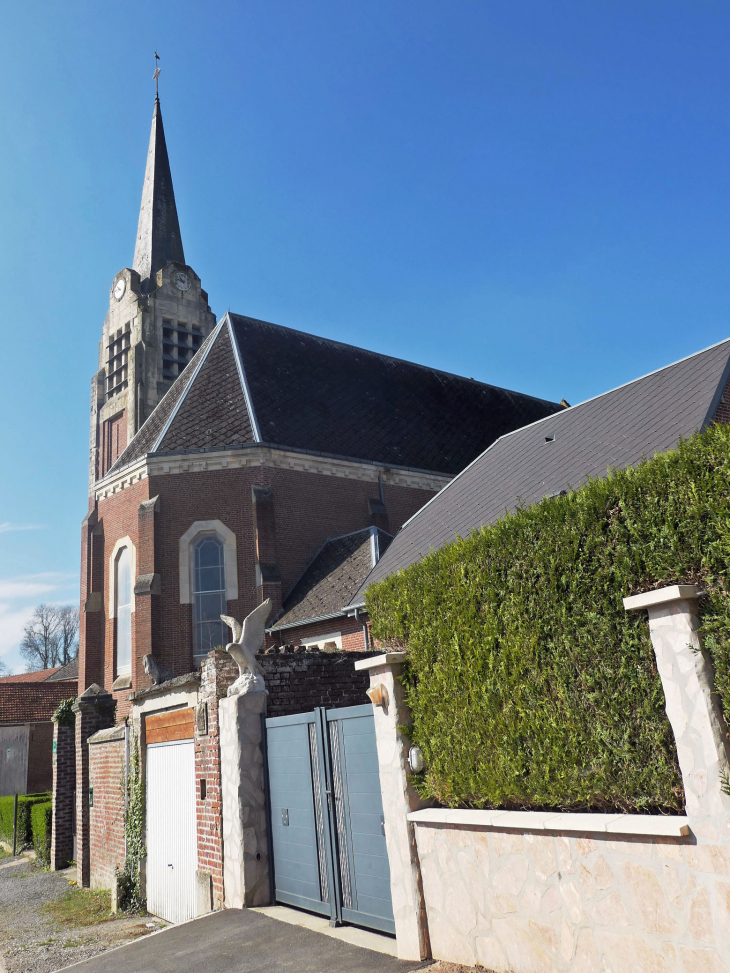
242 378
556 415
404 361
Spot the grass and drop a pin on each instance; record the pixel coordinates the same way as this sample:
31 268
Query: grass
81 907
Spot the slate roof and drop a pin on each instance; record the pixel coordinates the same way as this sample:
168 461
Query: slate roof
69 671
332 577
255 382
616 429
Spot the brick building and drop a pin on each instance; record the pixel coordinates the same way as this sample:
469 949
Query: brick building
27 703
232 462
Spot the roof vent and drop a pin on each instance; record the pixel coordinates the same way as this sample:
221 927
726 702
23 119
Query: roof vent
550 439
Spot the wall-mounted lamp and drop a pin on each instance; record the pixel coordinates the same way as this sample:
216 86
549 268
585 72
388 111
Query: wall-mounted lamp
415 760
378 695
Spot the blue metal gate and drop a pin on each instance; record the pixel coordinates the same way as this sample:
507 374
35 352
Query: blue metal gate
326 812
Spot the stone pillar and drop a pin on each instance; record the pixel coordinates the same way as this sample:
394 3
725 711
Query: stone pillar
692 706
94 711
245 848
64 789
399 798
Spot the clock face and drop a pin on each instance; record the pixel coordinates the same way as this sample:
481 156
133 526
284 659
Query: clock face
181 281
119 288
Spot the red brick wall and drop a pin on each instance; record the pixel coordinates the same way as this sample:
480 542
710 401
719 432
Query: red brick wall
106 817
309 507
219 671
351 629
722 413
40 758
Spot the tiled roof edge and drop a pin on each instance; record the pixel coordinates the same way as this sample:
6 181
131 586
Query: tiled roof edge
721 385
214 337
244 381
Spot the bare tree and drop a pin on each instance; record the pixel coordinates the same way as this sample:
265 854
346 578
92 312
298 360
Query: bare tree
50 637
3 668
68 630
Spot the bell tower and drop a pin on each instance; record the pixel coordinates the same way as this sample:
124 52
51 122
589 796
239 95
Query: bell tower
158 316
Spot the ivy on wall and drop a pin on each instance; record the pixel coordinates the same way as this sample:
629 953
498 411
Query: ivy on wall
64 714
529 684
130 888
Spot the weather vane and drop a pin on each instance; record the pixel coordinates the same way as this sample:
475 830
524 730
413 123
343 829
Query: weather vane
156 75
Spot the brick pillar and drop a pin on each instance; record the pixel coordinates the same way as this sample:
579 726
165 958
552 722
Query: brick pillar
91 616
64 790
399 798
217 673
94 711
146 591
268 576
692 706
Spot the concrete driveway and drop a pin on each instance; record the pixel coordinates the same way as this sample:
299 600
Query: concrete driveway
242 942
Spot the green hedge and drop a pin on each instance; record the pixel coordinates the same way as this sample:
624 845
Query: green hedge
529 684
26 803
41 816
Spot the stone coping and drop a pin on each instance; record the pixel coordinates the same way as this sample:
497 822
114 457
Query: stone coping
674 592
388 658
106 736
647 825
189 679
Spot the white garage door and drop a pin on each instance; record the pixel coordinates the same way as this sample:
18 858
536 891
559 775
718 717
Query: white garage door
171 832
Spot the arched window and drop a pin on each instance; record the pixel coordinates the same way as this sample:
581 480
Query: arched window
123 609
209 595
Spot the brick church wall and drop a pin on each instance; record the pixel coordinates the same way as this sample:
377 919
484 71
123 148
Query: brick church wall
309 507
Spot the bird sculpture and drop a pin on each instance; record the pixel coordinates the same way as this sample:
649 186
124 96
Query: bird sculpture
247 640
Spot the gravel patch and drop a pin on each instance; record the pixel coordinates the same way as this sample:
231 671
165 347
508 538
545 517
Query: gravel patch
33 942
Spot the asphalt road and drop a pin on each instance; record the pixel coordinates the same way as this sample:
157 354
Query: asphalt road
242 941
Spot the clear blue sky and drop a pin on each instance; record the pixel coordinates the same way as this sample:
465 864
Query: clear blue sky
533 194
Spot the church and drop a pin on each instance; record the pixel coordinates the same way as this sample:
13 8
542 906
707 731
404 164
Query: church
236 460
232 462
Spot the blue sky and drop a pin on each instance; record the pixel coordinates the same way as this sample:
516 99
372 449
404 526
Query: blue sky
533 194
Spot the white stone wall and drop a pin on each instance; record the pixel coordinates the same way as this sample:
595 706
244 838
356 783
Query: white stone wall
521 892
542 903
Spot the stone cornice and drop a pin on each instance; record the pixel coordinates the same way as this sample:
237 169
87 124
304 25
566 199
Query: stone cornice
257 454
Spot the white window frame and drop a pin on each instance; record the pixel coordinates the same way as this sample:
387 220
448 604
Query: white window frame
199 539
319 640
187 559
121 544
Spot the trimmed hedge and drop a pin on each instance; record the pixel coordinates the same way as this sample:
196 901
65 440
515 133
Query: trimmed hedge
41 817
529 684
26 802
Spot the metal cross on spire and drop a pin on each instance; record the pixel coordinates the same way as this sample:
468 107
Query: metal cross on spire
156 75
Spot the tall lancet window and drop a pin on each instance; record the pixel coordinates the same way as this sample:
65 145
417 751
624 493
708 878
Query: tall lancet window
209 596
123 610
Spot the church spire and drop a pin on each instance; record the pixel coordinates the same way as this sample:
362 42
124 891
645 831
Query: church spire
158 233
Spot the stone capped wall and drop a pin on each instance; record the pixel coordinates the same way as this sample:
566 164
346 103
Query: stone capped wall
106 817
581 903
298 681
